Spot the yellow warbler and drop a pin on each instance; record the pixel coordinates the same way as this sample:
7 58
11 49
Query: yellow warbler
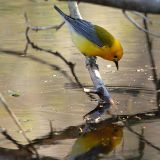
93 40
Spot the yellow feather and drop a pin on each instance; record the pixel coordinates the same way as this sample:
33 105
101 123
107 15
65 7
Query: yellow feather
90 49
93 40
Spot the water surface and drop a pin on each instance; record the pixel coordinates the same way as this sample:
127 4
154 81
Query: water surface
47 91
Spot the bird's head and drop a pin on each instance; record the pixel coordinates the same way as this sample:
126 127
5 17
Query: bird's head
116 53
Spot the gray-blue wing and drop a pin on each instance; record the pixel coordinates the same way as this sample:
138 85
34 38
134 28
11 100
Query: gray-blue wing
86 29
82 27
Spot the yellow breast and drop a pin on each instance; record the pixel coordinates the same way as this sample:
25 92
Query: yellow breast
87 47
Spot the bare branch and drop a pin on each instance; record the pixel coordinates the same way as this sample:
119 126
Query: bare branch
37 28
144 6
153 64
55 53
142 138
9 137
133 21
142 16
14 118
93 71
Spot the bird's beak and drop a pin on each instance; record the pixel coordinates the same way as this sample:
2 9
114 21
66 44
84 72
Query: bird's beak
116 62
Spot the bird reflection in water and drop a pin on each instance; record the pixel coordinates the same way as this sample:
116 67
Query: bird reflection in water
100 140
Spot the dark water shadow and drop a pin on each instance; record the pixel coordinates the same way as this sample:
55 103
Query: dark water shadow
93 139
73 132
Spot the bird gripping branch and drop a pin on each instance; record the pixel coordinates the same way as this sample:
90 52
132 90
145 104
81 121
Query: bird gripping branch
93 40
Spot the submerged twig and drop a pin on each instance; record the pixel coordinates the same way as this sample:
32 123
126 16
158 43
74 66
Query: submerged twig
142 138
16 121
9 137
73 132
13 116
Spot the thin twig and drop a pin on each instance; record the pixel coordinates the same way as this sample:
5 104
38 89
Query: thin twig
142 16
38 28
9 137
15 119
27 43
142 138
133 21
152 61
57 54
141 145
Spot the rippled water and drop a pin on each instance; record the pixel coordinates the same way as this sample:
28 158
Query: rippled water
47 91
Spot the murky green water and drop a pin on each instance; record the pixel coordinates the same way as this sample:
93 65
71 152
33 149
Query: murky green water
47 91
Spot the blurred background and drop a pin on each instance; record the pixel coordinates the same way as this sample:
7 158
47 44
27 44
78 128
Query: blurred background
40 87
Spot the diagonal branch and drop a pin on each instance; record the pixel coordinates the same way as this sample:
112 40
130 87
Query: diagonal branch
92 67
55 53
142 138
16 121
20 146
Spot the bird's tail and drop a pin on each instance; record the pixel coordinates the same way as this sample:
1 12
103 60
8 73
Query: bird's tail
60 12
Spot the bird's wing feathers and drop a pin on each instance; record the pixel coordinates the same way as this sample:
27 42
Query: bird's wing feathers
93 33
105 37
86 29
